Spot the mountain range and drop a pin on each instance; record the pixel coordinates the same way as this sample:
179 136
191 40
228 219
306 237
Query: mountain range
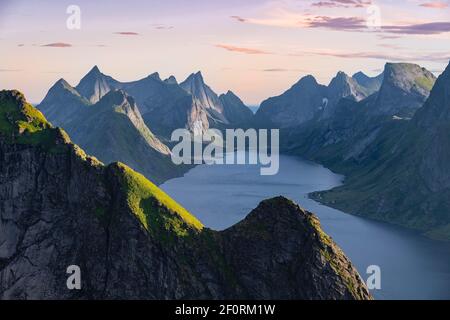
352 126
308 99
61 207
392 148
403 176
132 121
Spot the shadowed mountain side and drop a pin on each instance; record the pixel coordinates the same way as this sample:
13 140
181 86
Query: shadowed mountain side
403 176
112 130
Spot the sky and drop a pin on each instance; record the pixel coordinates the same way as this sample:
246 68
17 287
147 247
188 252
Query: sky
256 48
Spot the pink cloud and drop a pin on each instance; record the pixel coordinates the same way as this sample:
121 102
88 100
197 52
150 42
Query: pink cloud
435 5
242 49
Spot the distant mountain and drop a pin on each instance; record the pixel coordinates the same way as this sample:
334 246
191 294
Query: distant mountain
234 109
342 86
166 105
403 176
171 80
220 112
295 106
61 208
404 89
62 103
203 96
112 129
95 85
355 125
370 84
307 100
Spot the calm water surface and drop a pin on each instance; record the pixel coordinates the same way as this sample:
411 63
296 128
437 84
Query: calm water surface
412 266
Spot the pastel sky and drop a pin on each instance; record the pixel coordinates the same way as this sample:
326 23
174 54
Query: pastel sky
256 48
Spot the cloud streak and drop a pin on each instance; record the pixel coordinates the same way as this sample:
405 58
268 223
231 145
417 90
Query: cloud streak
126 33
359 24
242 49
342 4
435 5
10 70
434 56
238 18
57 45
160 26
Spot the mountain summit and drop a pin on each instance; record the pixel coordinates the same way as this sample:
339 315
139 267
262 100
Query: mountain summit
95 85
295 106
404 90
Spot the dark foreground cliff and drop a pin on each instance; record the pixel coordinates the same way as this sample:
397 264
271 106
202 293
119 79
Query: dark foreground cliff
60 207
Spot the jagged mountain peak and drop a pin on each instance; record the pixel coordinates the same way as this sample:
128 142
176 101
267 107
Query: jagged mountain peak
344 85
194 79
171 80
360 75
308 80
369 84
155 75
230 93
342 74
60 87
340 78
94 85
204 97
95 70
62 83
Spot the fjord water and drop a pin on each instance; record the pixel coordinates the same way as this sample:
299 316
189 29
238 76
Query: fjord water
412 266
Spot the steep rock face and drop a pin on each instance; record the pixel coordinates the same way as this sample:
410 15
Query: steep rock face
404 90
60 207
404 176
207 110
341 86
62 103
234 109
219 112
95 85
370 84
202 94
297 105
113 129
